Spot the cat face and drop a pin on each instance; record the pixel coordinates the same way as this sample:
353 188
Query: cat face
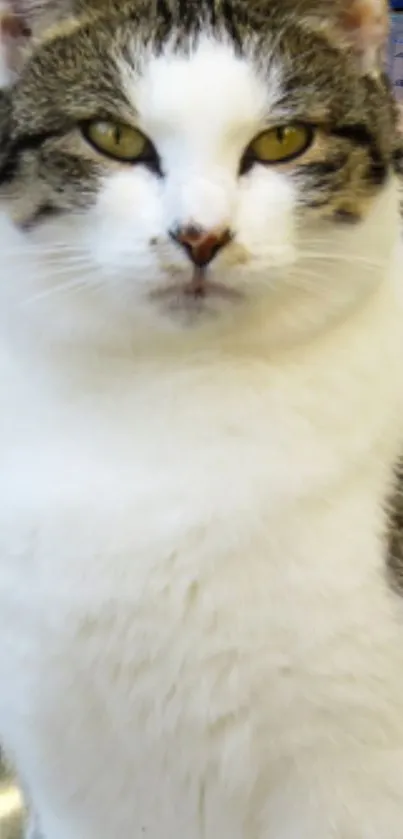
177 168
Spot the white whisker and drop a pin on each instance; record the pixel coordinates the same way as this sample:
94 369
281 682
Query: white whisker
62 288
324 256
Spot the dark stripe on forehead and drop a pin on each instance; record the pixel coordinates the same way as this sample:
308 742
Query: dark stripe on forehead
231 23
191 14
210 7
164 11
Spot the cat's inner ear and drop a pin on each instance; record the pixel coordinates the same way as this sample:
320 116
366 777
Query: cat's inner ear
21 21
364 25
37 14
15 34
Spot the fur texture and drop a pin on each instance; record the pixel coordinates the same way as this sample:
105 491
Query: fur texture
198 635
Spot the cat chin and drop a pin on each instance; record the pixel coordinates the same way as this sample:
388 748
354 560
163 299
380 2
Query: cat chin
172 313
193 298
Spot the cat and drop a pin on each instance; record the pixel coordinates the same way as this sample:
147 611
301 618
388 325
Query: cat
201 344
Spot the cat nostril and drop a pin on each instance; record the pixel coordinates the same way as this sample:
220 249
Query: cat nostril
201 245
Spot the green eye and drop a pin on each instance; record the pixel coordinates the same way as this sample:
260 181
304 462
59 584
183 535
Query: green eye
281 144
119 141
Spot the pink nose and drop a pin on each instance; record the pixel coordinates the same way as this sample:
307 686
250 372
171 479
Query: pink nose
201 245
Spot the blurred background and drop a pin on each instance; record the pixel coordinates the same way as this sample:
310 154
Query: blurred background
396 49
11 807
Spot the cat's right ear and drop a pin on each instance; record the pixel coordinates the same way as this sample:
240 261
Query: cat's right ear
14 36
35 15
22 21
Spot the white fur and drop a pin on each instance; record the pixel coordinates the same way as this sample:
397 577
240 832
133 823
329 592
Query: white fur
197 638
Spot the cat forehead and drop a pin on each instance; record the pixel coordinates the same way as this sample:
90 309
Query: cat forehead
210 87
209 74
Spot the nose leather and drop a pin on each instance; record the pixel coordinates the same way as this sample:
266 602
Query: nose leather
201 245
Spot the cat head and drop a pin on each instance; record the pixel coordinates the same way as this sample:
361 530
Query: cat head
177 164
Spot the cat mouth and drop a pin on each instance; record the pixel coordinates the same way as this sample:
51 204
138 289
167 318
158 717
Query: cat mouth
198 289
200 286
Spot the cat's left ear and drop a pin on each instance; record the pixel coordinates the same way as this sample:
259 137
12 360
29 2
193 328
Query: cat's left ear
35 15
14 35
20 22
364 27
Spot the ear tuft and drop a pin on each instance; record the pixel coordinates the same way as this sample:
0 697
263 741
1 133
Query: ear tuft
359 26
20 21
27 16
365 26
14 35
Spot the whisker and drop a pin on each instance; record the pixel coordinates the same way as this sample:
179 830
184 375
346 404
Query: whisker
299 274
339 257
316 278
70 262
68 270
83 283
44 253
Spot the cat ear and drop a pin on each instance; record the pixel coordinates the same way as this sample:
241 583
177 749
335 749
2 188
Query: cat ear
37 14
14 34
364 27
20 22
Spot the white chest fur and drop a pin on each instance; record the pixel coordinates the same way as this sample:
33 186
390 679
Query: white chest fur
185 548
192 603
